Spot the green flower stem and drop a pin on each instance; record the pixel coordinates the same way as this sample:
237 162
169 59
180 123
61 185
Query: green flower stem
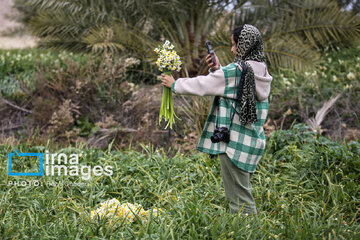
167 107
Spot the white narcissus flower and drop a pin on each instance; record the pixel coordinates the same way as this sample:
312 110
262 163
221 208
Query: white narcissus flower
131 86
168 58
350 76
113 209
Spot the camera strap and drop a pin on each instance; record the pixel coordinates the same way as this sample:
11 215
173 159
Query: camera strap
237 92
217 113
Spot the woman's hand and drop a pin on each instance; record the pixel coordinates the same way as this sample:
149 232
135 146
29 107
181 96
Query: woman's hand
167 80
210 64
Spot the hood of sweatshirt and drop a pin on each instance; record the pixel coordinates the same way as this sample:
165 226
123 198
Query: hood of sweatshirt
262 79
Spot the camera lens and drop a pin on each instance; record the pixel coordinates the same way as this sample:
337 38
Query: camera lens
220 134
214 139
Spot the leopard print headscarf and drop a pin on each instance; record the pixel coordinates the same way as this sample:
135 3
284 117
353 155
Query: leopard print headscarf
249 47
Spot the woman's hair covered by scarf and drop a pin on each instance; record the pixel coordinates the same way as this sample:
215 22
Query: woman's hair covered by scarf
249 46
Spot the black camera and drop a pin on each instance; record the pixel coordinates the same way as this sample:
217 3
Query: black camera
221 134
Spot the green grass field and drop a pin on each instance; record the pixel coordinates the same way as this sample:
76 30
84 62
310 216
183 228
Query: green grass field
306 187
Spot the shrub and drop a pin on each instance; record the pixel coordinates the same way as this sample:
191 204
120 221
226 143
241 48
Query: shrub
303 93
95 87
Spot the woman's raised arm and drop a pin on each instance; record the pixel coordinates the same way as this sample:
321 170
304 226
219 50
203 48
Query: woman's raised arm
212 84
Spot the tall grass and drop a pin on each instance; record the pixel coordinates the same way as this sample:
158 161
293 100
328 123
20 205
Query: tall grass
306 187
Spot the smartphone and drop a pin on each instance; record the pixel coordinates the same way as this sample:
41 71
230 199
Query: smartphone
211 52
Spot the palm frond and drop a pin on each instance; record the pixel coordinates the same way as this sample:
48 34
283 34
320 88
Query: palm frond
318 24
315 123
64 44
292 30
117 38
59 24
290 52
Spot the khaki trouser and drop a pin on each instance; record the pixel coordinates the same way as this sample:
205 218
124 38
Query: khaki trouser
237 186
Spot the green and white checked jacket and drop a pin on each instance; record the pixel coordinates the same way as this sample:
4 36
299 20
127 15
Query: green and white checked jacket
247 142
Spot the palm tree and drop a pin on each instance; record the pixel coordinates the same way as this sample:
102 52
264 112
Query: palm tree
292 30
127 25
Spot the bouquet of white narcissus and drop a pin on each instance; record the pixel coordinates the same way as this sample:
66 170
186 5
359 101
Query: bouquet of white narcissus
167 61
112 209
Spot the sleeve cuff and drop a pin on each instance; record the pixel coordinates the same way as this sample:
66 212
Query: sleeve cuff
211 71
173 87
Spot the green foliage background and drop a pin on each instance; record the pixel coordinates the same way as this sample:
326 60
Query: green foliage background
305 187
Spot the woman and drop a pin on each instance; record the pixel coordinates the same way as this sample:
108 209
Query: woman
242 89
